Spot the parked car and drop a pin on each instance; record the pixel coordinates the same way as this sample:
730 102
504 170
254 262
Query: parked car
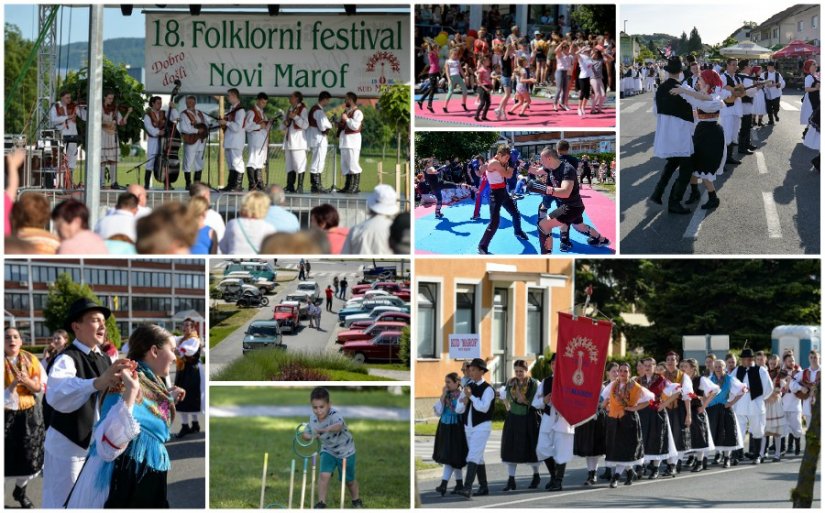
351 335
262 334
311 288
300 300
287 316
367 305
266 286
256 268
371 316
384 347
233 289
382 317
370 294
252 297
394 288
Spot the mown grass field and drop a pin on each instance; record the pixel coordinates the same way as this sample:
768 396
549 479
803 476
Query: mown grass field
269 364
232 319
298 396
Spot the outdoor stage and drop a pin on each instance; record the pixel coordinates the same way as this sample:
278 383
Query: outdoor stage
539 114
457 234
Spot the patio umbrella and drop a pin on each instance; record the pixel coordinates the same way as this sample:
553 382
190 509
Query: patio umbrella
746 50
796 48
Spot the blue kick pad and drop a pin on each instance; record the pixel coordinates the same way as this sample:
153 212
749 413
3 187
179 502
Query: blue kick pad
457 234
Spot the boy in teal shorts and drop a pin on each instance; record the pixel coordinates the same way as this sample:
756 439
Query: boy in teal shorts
329 427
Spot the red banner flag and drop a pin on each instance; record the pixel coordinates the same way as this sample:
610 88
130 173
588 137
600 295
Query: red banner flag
581 353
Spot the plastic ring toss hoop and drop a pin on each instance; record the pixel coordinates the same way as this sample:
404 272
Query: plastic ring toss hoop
304 448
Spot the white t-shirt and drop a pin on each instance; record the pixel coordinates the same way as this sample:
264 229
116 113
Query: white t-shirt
585 67
454 67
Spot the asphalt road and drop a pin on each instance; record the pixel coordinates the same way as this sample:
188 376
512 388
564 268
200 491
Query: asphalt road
746 486
186 479
306 339
769 202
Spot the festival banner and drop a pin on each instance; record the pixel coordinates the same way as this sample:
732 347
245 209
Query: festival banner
581 353
253 52
465 345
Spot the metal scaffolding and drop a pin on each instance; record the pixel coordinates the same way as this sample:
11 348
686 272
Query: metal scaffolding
46 67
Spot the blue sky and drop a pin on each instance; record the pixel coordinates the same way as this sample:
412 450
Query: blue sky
714 21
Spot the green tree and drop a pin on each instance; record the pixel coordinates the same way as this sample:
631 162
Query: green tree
694 45
682 45
448 145
394 107
404 349
128 93
715 50
646 54
594 18
22 105
62 293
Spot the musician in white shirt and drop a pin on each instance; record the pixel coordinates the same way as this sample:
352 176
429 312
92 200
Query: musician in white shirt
233 141
319 126
349 142
190 122
63 116
295 142
773 92
257 138
154 122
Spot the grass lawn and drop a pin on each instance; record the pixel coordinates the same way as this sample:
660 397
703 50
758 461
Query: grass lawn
231 317
422 465
388 366
277 171
299 396
279 365
429 428
236 454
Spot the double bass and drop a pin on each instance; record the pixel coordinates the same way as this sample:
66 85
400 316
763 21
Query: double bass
167 161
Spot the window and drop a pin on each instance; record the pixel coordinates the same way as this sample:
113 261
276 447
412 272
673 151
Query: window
49 274
189 281
117 277
500 329
535 321
775 33
814 21
427 304
16 272
465 309
41 330
152 304
39 301
119 305
123 328
800 25
147 279
14 301
189 303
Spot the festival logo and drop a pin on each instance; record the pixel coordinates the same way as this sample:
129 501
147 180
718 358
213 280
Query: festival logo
382 61
577 348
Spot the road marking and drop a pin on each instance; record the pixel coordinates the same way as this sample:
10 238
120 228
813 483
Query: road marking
649 110
645 227
642 179
760 162
602 489
692 230
788 106
774 228
633 108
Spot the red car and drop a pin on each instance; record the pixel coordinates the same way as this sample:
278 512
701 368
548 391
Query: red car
359 289
383 347
287 316
384 317
396 289
370 332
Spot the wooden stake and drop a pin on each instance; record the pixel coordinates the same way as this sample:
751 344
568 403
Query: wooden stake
291 483
263 479
343 481
312 488
304 484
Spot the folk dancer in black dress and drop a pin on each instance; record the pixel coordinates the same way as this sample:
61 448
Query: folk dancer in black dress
521 426
673 139
556 435
625 448
562 185
724 429
25 432
476 408
190 377
678 412
450 447
656 435
588 441
709 151
498 170
703 392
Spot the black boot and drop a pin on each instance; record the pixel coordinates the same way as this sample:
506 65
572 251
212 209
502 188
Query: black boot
230 181
259 179
196 427
186 179
614 480
198 175
534 483
730 159
290 182
511 484
442 488
704 462
630 477
459 485
550 463
713 201
717 458
19 495
670 470
726 462
185 430
250 179
757 444
694 194
301 183
317 188
467 490
482 475
654 470
558 477
438 214
347 184
355 188
697 465
147 179
591 478
796 441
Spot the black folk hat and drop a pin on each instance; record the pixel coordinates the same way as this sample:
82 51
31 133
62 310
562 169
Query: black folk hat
674 65
80 307
746 353
479 363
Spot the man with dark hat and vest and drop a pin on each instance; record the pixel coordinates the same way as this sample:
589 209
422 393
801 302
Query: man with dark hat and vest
556 436
476 408
773 93
78 374
745 146
731 115
673 139
750 409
